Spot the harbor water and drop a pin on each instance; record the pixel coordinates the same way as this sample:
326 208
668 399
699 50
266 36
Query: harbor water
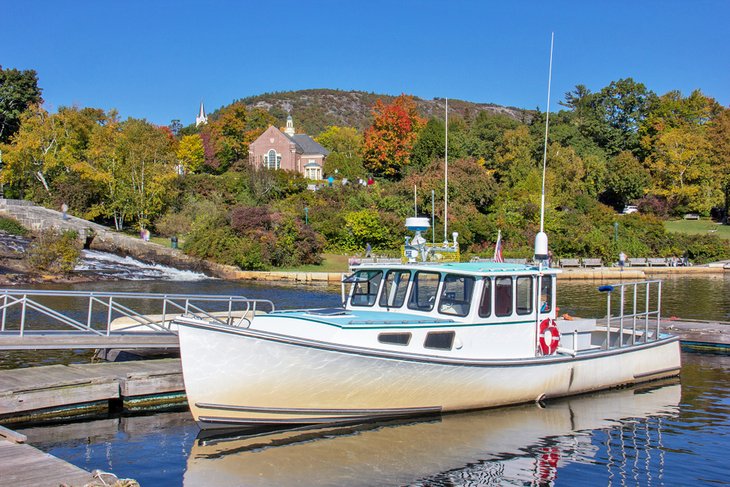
673 432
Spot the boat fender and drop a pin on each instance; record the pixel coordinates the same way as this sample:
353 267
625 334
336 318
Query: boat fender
549 337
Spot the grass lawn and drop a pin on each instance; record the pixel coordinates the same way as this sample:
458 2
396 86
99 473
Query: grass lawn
698 227
331 263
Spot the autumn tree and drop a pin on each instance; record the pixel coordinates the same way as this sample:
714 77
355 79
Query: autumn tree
191 153
389 140
18 91
232 130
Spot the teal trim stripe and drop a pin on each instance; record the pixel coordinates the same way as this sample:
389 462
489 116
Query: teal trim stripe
400 326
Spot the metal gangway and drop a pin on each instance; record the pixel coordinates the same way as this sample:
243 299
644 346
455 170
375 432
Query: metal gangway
40 319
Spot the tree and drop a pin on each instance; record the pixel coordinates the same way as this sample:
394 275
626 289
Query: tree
390 139
18 91
626 180
345 146
682 170
191 153
431 144
612 116
149 168
232 130
719 136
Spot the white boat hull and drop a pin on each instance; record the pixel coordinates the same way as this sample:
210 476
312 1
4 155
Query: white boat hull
240 377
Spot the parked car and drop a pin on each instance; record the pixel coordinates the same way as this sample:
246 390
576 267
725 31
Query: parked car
630 209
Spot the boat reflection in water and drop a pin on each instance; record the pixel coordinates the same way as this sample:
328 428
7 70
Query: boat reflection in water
516 445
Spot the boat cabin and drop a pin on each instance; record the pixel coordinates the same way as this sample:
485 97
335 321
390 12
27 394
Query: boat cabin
475 292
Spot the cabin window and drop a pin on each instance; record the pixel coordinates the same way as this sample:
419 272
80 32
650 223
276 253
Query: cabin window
395 338
546 295
395 286
456 295
525 296
503 296
365 288
485 306
423 292
439 340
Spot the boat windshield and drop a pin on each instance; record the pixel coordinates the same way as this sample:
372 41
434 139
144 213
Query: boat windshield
456 295
423 292
395 286
365 287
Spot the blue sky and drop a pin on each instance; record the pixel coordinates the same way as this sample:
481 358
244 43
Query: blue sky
157 59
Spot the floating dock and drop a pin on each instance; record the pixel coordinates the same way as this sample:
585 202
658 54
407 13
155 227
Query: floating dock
38 393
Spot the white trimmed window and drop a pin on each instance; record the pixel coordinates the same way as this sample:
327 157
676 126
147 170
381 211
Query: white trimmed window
273 160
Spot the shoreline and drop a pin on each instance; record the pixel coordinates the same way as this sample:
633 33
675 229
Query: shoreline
18 277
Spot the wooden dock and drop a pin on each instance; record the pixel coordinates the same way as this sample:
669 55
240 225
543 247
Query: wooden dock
67 390
705 335
24 465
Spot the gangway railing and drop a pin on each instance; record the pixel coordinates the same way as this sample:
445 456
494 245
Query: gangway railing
25 311
645 313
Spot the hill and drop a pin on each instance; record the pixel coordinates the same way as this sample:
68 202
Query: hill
314 110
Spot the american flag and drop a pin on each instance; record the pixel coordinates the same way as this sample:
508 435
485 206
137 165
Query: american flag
498 248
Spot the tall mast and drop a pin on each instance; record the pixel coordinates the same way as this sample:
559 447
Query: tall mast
547 122
446 177
541 240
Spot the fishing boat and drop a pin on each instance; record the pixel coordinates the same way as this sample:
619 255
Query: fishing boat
424 335
420 337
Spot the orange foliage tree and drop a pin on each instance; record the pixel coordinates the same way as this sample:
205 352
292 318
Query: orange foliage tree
390 139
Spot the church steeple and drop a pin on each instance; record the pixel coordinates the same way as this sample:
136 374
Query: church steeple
289 130
201 118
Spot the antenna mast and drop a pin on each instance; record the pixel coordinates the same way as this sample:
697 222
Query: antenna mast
541 240
547 123
446 177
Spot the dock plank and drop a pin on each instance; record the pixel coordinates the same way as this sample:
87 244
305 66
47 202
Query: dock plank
22 464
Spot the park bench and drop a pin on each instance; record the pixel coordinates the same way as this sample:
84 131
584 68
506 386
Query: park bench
637 261
691 216
592 263
515 261
569 262
657 262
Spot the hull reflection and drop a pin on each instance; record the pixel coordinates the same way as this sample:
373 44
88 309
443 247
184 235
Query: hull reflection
524 444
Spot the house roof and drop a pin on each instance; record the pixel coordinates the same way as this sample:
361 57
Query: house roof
307 145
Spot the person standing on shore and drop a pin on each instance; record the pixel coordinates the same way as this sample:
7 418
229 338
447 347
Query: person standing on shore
621 260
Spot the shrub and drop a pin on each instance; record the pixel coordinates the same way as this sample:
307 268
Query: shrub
11 226
54 253
173 224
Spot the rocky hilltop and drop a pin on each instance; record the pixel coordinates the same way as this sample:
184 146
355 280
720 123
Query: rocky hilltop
314 110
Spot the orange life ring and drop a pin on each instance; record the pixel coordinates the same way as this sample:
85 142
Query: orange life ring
549 336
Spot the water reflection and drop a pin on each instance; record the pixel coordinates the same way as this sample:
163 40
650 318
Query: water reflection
507 446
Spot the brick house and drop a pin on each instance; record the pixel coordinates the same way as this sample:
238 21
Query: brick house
288 150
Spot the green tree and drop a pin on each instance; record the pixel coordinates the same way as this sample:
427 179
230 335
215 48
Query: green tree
612 116
626 180
148 158
719 136
345 146
190 153
18 91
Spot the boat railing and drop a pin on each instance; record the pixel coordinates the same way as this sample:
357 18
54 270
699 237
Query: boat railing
637 313
106 313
